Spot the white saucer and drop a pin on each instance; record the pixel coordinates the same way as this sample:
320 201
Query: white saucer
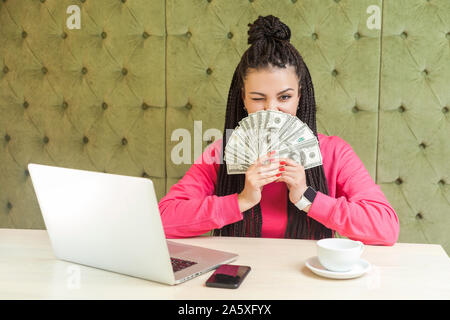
358 269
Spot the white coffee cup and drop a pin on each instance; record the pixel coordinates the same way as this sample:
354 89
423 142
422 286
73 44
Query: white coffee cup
337 254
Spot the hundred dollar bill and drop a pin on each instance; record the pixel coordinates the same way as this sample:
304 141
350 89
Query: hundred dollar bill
270 122
245 124
268 140
290 131
299 133
307 154
254 131
237 154
237 150
248 141
276 119
237 168
259 121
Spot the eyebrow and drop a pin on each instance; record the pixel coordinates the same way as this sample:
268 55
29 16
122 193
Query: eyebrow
262 94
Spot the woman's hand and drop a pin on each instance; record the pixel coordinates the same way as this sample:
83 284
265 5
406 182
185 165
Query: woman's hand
258 175
294 175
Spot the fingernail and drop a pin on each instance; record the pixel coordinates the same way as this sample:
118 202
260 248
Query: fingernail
282 169
278 174
282 162
272 152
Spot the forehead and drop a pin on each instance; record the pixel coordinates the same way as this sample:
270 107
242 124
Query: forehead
271 79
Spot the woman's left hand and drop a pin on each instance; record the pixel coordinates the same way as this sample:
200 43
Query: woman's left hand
294 177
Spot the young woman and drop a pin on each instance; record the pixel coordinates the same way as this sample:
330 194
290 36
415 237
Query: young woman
262 202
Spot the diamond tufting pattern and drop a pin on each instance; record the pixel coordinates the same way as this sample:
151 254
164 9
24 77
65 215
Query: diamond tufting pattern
109 96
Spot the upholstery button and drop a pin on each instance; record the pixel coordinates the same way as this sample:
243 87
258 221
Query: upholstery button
401 109
251 0
293 1
422 145
25 104
24 34
9 205
188 34
84 70
334 73
425 72
188 106
209 1
65 105
42 1
124 141
103 35
46 139
27 173
124 71
144 174
448 35
5 69
399 181
82 1
44 70
444 109
145 35
355 109
85 139
441 182
64 35
7 137
357 36
208 71
123 1
314 36
404 35
104 105
230 35
337 1
145 106
419 216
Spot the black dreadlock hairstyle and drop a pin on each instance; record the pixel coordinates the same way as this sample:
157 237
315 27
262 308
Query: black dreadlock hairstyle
270 46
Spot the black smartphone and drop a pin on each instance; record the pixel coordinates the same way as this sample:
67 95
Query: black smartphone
228 276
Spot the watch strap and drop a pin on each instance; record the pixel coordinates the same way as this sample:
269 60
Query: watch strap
306 199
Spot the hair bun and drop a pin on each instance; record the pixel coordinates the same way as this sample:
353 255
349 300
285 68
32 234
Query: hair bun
268 27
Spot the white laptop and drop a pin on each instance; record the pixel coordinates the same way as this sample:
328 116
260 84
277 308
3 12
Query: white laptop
112 222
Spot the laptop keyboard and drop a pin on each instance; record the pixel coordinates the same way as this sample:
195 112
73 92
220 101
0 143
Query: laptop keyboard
179 264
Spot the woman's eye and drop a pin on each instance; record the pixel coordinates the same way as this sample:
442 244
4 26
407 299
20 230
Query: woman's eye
284 98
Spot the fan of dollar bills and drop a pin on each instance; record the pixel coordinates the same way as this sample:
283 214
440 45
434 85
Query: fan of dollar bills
265 131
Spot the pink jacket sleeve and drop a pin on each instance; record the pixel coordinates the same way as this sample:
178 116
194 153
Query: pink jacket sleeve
360 210
190 208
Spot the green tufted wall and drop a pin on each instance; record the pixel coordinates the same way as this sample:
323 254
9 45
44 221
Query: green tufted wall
109 96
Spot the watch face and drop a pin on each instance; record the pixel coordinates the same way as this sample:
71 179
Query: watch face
310 194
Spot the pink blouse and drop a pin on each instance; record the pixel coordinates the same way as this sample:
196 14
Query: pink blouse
355 207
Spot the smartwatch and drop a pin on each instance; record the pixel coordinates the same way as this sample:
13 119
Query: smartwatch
306 199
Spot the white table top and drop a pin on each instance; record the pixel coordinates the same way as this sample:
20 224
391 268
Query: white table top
29 270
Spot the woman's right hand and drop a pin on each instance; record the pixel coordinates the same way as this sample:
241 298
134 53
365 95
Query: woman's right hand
257 176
